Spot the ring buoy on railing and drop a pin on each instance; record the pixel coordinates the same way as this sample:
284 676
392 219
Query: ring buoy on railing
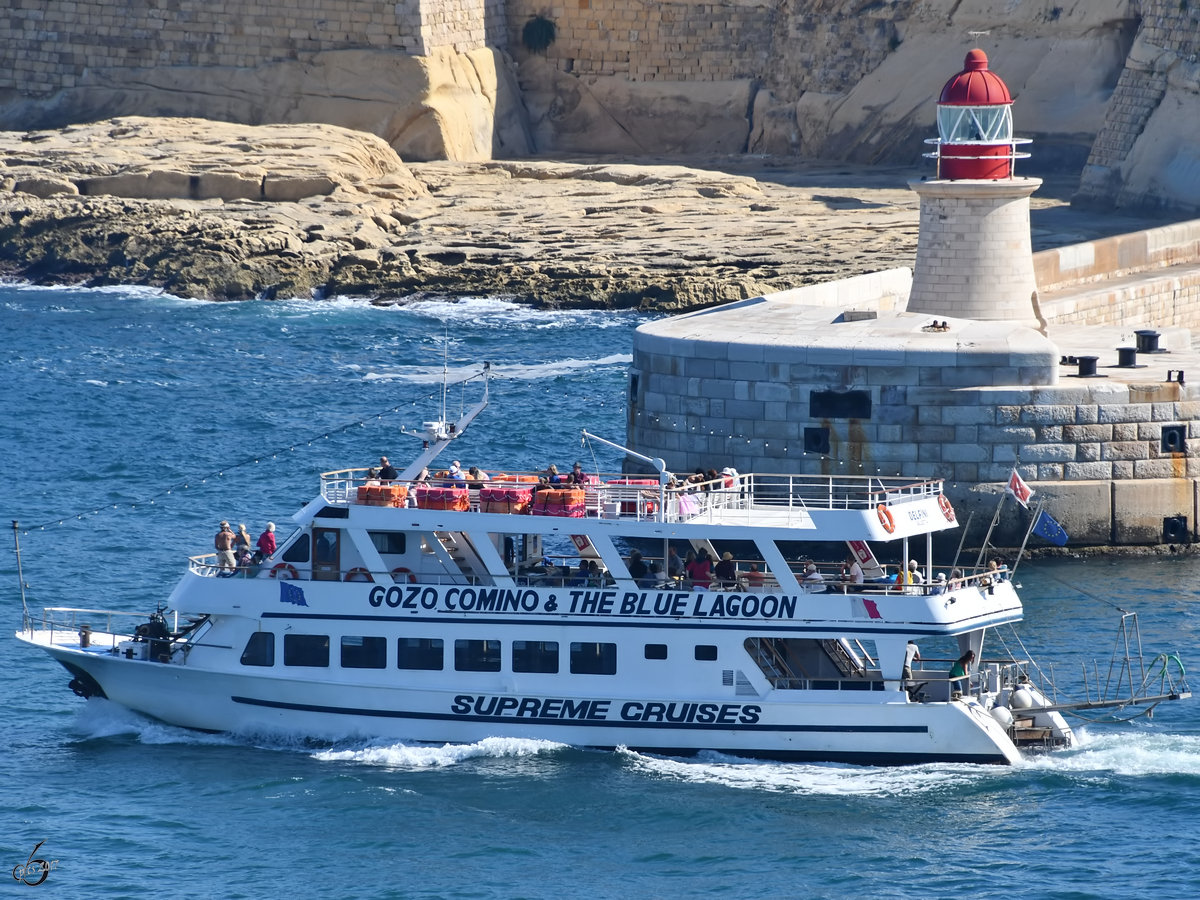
399 573
357 572
284 570
885 518
947 509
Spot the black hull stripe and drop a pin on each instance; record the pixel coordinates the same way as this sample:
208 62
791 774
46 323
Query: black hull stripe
591 723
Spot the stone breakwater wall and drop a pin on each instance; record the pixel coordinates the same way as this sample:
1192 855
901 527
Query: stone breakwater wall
828 380
1144 276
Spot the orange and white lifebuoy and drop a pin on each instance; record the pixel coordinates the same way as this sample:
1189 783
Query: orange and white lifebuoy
358 572
399 573
885 518
947 509
284 570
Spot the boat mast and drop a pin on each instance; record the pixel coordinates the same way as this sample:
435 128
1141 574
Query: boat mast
436 436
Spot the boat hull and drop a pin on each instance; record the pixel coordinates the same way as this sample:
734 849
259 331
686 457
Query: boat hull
879 728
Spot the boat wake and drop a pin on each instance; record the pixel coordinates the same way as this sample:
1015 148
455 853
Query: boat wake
1113 753
418 756
99 718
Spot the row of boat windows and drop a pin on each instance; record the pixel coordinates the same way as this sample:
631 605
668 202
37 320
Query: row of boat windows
367 652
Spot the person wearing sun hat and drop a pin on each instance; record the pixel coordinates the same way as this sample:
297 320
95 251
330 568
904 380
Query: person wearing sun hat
725 571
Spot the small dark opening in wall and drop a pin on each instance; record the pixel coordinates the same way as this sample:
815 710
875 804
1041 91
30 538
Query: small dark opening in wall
1175 530
816 440
633 388
1174 439
839 404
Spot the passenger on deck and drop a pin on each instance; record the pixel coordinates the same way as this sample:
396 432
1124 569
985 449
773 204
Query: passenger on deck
911 652
956 577
693 481
551 475
939 584
726 571
754 578
852 571
266 541
730 475
813 581
223 542
712 480
387 472
373 475
996 571
476 476
958 671
675 567
455 474
241 542
637 567
914 571
577 476
699 569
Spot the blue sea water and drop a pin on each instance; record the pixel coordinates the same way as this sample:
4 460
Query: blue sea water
133 422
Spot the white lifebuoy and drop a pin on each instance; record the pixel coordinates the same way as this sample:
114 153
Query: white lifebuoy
282 570
399 572
358 571
885 518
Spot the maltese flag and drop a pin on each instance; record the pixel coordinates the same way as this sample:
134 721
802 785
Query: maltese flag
1019 489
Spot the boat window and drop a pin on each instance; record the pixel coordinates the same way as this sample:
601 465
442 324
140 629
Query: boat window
364 652
593 658
535 656
298 551
260 649
306 650
656 651
706 652
477 656
389 541
419 653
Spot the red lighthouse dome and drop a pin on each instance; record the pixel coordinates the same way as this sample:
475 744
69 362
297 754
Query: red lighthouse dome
975 134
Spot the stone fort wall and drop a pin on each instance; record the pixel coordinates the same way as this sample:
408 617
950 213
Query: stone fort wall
48 45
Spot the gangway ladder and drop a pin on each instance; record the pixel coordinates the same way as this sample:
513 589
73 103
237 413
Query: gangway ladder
766 655
843 657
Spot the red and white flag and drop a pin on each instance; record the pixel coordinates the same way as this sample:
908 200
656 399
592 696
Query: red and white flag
1019 489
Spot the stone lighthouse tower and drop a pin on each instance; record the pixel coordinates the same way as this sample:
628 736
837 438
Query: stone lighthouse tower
974 258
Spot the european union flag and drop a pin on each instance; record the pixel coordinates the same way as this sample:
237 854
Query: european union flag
1046 527
289 593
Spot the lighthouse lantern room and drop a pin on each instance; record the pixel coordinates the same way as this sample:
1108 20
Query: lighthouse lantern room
975 130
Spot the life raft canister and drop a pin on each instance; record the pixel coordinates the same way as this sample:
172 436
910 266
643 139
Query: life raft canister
885 518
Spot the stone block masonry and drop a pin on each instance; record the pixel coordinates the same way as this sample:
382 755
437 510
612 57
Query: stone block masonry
46 45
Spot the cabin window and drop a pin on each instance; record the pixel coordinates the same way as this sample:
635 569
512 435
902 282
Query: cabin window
298 551
260 649
386 542
306 650
535 656
656 651
420 653
477 656
706 652
364 652
593 658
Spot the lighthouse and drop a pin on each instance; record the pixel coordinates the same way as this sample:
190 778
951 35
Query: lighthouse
974 256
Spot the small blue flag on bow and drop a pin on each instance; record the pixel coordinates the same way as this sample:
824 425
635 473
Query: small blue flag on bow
1046 527
289 593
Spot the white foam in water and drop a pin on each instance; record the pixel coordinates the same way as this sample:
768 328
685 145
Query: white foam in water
513 371
1121 753
99 718
417 756
830 779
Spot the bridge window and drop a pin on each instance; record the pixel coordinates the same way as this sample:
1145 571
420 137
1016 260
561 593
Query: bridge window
260 649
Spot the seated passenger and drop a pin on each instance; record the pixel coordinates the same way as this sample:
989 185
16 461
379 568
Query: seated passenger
813 581
576 476
476 476
637 567
754 578
939 583
726 571
699 568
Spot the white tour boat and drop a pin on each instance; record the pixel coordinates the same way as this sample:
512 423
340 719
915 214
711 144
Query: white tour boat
452 620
